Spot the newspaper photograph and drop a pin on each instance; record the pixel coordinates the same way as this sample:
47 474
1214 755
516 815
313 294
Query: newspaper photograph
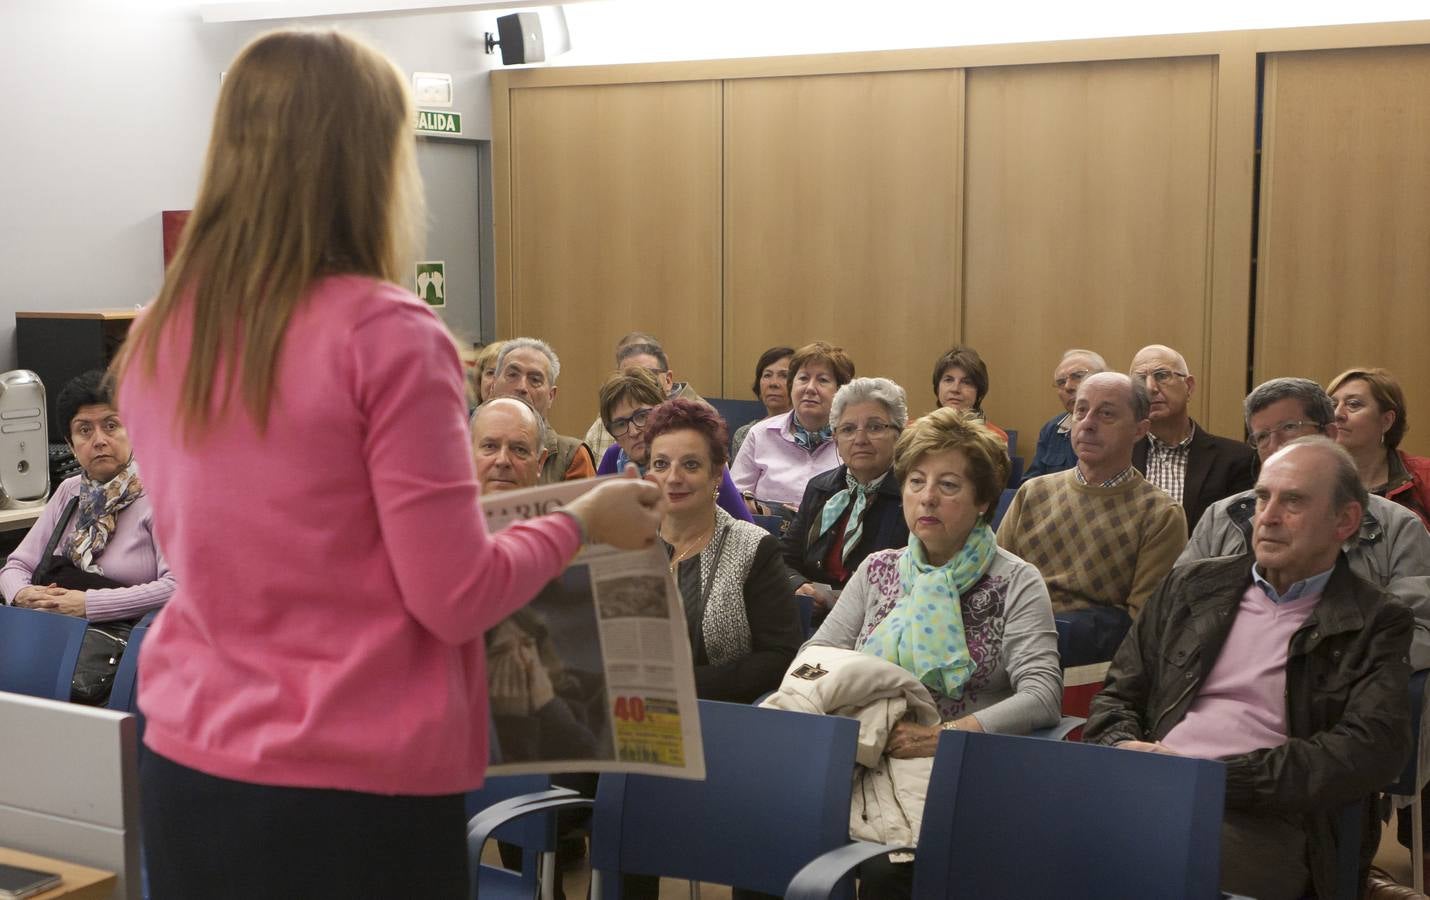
595 673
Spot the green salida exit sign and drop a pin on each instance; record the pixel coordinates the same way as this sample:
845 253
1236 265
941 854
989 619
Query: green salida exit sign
431 121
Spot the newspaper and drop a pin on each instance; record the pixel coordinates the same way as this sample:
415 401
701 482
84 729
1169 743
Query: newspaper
595 674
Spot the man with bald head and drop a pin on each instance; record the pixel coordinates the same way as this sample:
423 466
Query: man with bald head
1281 663
1055 452
508 444
1195 467
1101 536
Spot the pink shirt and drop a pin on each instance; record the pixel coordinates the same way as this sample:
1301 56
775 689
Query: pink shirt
335 575
771 466
131 557
1242 704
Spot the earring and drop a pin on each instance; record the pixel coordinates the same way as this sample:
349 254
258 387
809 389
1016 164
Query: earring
716 492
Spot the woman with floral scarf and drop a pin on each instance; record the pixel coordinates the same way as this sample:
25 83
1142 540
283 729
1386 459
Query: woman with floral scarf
102 521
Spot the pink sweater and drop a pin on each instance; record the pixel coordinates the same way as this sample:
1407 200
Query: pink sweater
335 575
1241 706
131 557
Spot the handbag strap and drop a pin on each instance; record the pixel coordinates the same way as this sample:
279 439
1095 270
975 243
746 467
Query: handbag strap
45 564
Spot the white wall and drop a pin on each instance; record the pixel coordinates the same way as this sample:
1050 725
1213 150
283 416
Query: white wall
105 109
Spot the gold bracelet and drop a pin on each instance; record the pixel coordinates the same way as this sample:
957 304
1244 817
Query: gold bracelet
950 725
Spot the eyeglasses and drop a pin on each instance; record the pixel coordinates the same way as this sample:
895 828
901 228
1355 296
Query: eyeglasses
1286 431
873 429
1070 378
622 425
1160 376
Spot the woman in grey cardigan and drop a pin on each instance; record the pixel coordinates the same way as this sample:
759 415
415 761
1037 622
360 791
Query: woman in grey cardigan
972 621
742 616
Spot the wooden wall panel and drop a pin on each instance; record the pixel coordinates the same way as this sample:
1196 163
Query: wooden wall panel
1088 217
842 215
615 217
1344 255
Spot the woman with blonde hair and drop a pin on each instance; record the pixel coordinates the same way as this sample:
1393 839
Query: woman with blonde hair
485 370
315 691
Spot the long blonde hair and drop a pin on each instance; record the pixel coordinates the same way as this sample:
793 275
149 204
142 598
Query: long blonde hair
311 171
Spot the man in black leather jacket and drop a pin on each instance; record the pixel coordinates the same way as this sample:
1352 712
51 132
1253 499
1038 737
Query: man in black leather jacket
1338 732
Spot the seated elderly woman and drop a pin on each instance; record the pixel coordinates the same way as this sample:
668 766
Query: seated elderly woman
1370 421
92 552
771 388
627 398
853 510
994 666
781 454
744 626
960 381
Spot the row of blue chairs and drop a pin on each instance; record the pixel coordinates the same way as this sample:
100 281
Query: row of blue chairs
39 651
1006 817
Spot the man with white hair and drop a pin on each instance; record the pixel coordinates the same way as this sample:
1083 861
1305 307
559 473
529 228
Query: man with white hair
1195 467
1055 452
1284 665
528 368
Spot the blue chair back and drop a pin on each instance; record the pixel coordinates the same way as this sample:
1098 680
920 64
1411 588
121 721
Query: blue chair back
775 796
1022 817
39 651
737 412
535 835
1012 442
773 524
806 614
124 695
1005 500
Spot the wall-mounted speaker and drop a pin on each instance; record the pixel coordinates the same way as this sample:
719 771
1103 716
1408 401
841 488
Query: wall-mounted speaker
519 36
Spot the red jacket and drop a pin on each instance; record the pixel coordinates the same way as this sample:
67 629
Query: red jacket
1414 492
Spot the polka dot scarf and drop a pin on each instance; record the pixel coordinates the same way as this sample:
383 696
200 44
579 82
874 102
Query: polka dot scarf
923 633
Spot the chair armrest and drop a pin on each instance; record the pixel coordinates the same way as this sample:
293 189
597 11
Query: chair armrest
480 828
1060 731
819 877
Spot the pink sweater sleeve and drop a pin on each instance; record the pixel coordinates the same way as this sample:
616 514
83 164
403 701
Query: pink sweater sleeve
456 578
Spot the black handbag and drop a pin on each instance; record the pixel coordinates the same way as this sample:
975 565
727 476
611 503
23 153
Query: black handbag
104 642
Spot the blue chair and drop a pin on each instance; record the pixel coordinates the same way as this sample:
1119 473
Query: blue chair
39 651
775 525
1020 817
1090 636
1015 472
775 796
520 810
806 614
1004 501
737 413
124 695
1012 442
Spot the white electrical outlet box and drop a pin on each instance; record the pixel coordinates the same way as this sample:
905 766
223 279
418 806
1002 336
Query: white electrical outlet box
432 88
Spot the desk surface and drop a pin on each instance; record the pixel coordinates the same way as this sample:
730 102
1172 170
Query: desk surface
80 882
15 519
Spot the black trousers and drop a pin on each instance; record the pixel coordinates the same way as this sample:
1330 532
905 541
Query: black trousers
215 838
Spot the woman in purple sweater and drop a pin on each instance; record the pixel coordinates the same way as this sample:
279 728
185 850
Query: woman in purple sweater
315 691
102 519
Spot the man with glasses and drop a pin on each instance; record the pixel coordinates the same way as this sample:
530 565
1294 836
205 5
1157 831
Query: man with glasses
640 349
1055 452
1102 537
527 369
1195 467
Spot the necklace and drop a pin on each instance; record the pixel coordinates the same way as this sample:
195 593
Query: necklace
678 557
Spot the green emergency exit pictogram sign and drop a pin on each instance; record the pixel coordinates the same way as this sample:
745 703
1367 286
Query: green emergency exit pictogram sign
431 121
432 282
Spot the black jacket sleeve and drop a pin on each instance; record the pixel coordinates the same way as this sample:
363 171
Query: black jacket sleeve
775 634
1118 711
792 545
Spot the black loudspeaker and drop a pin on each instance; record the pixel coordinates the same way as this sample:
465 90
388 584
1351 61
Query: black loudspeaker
520 39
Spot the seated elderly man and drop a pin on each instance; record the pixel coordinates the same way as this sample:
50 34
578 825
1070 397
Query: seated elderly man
528 368
1191 464
1055 452
508 444
1101 536
640 349
1283 664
